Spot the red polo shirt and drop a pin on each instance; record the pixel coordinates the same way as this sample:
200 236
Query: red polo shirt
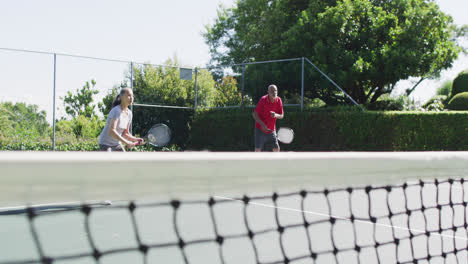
263 109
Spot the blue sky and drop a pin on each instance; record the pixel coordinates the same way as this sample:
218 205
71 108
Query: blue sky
137 30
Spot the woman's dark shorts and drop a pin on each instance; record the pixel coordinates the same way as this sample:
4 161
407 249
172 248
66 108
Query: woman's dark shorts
118 147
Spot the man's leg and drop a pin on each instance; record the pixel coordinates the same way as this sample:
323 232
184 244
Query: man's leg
274 138
259 139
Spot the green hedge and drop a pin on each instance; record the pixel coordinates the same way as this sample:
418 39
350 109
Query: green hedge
341 130
45 144
232 130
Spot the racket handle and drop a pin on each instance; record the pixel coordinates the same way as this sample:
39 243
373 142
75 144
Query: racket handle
139 142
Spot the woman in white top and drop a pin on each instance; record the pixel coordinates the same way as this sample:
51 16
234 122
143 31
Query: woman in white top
118 123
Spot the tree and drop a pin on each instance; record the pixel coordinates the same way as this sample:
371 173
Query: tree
227 93
366 46
81 102
161 85
20 119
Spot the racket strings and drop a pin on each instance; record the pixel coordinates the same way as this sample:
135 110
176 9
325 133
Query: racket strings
285 135
159 135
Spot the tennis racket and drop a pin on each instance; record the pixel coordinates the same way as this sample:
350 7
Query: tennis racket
159 135
285 135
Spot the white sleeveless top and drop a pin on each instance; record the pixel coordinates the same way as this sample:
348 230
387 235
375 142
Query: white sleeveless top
123 119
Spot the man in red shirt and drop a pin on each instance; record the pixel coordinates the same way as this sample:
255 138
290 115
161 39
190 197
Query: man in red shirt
269 108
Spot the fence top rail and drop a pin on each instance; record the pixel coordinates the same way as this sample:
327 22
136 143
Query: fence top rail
142 63
269 61
248 63
164 106
85 57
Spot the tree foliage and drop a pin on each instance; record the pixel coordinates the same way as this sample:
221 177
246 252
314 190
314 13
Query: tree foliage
365 46
161 85
81 103
227 93
16 118
80 127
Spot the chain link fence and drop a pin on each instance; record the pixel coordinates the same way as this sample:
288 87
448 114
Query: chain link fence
163 93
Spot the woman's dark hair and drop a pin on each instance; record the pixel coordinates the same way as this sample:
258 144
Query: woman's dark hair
117 100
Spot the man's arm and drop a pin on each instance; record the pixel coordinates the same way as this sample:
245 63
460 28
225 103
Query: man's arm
277 116
257 118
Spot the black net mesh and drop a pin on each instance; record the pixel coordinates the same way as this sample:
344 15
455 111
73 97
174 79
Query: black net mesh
412 222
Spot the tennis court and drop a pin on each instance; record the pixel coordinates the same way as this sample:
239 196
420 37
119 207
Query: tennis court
203 207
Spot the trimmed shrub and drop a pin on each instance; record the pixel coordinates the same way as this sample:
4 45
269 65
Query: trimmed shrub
459 102
387 104
460 83
436 103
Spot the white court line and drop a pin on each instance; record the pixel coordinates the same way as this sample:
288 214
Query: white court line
340 217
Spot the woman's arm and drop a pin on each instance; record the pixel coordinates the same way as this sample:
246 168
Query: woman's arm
113 133
127 135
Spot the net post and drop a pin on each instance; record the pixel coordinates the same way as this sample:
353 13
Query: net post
53 112
131 87
242 86
196 88
302 84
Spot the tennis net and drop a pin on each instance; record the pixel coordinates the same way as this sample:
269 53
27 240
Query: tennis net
202 207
